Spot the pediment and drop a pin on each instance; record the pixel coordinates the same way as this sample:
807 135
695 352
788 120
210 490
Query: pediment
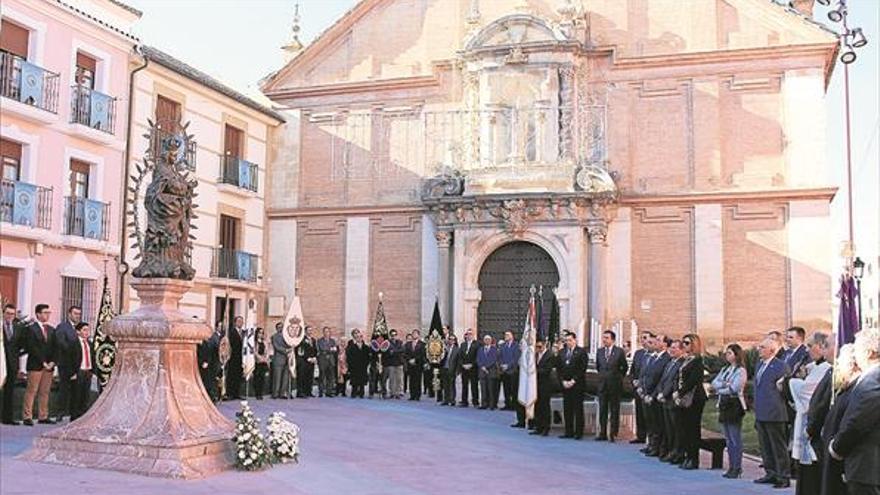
516 29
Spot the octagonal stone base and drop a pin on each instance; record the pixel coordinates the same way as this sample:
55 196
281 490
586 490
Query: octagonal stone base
155 417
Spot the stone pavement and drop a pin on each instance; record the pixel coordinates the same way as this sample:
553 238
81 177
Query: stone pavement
363 446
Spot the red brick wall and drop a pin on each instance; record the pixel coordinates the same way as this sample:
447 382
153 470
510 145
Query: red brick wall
662 275
395 269
321 270
755 270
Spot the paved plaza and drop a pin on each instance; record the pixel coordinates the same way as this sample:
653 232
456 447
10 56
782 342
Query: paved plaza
353 446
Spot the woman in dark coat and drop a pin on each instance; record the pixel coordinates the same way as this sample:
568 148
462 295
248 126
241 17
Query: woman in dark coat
845 375
357 355
690 399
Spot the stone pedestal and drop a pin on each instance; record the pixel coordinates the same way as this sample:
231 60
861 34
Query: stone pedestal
155 417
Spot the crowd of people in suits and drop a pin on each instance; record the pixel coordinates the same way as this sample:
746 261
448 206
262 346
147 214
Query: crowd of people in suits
64 350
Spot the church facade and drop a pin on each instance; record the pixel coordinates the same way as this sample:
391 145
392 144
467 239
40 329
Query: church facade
641 161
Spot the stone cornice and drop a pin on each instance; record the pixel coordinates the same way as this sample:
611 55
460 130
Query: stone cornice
728 197
381 85
360 210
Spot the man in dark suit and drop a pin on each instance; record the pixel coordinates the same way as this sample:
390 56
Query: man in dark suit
545 362
209 363
647 388
449 369
572 368
508 366
857 442
234 369
468 360
80 359
12 349
306 358
65 339
414 355
39 345
635 370
670 450
487 362
611 366
771 415
820 404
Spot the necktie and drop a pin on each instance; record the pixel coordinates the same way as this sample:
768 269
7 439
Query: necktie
43 328
760 372
87 358
607 353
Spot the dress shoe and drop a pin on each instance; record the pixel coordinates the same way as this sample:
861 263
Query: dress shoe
518 425
578 437
47 421
12 423
765 480
677 460
537 432
463 405
28 422
545 433
666 458
645 450
611 438
566 436
483 407
601 438
733 474
652 453
688 465
635 441
782 483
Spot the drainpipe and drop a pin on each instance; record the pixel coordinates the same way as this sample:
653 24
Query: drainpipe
123 229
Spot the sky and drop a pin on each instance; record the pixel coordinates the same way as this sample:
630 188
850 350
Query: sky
238 41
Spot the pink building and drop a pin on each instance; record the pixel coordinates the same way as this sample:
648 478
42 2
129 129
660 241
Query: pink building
64 84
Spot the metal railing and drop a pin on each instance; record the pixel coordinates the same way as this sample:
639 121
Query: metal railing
28 83
86 218
235 265
32 206
238 172
92 108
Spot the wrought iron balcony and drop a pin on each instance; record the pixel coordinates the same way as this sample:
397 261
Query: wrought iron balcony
87 218
25 204
238 172
92 108
28 83
159 141
235 265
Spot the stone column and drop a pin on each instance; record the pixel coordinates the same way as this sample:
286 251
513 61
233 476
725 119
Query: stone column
155 417
444 274
597 232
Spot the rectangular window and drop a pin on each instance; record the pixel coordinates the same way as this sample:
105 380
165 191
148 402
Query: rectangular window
229 232
167 110
86 67
10 159
79 178
79 292
233 141
14 39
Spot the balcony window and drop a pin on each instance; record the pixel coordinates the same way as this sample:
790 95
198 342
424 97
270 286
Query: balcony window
28 83
86 217
234 264
25 204
238 172
92 108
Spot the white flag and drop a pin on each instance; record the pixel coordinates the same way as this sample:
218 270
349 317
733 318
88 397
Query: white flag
248 358
295 311
528 372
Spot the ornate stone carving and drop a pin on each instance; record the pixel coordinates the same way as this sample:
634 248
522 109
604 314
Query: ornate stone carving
516 215
449 182
516 56
566 107
165 246
597 232
444 238
594 180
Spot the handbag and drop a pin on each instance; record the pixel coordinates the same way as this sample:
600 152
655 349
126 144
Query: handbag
730 409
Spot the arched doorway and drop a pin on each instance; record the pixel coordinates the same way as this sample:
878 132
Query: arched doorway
504 282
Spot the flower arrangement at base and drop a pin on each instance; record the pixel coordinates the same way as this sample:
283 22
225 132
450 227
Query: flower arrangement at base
251 451
283 438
